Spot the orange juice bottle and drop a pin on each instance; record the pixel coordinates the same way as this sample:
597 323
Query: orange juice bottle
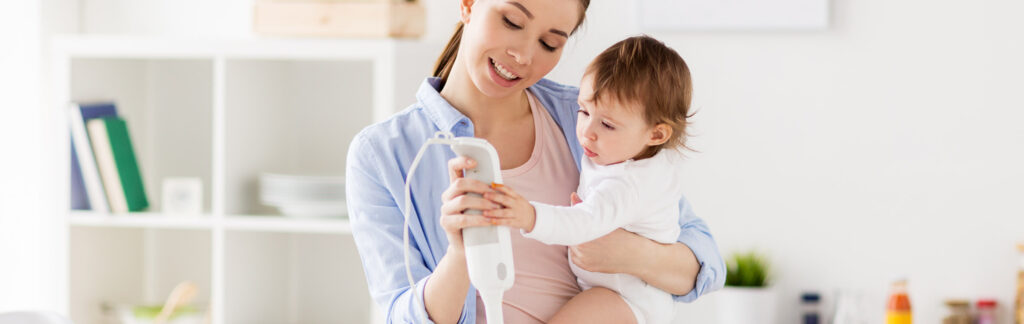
897 310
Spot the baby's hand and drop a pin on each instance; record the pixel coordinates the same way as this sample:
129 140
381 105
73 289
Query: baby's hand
517 211
574 199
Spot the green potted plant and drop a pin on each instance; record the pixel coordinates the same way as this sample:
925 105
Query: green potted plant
747 297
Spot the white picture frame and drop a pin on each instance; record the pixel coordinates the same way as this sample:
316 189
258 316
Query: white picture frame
182 196
697 15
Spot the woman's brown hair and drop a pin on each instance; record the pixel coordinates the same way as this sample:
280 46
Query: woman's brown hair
444 64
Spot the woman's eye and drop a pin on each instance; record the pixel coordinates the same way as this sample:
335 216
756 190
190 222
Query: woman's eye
549 48
607 126
510 24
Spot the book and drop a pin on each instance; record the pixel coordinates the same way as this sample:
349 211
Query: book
88 175
119 169
79 197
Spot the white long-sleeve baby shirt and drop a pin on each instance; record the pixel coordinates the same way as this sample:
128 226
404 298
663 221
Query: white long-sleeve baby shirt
639 196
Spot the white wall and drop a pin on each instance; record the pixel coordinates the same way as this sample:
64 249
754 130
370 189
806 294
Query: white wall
181 18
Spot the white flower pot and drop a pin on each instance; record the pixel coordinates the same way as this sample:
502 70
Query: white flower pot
738 305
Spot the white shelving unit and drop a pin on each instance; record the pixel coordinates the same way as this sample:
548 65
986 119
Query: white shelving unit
225 111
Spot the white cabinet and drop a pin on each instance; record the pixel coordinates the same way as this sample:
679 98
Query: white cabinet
225 111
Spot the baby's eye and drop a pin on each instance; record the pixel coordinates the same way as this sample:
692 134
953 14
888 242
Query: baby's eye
584 112
606 125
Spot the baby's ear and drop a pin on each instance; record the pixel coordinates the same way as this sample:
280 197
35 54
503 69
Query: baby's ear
659 134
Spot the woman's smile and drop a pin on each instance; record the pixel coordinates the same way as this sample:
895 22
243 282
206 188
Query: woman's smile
502 75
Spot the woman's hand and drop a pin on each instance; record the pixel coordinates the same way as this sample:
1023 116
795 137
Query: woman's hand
517 211
617 252
613 253
455 201
669 267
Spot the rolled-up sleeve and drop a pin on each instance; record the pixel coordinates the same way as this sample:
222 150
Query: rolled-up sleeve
695 234
377 225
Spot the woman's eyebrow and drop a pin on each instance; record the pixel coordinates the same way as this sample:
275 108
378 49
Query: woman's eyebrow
523 8
530 15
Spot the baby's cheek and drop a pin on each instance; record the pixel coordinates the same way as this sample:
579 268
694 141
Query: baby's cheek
579 132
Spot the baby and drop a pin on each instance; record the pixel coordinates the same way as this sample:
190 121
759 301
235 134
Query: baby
634 102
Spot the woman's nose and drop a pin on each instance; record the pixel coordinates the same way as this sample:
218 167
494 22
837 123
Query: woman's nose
520 56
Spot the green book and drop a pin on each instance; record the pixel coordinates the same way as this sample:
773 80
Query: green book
118 167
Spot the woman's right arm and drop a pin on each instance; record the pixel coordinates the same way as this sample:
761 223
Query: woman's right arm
450 282
377 229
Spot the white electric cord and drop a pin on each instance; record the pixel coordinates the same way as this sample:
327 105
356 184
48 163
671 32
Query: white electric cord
441 137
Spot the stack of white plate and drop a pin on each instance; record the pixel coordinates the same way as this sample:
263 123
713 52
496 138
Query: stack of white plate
303 195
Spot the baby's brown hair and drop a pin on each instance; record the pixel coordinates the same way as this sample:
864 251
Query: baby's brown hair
644 71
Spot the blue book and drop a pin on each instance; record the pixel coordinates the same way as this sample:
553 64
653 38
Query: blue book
79 197
91 189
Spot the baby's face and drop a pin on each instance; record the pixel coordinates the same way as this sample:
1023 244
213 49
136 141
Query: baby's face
610 131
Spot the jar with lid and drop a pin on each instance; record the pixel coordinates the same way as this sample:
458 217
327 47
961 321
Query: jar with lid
986 311
810 308
1018 305
959 312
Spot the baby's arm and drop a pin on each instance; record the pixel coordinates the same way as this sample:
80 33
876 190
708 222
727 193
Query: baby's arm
610 206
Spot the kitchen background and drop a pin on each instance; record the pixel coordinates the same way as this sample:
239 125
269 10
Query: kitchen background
887 144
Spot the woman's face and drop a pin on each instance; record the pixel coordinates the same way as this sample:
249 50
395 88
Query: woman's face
510 45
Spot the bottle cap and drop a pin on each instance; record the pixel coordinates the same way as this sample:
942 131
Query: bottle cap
810 297
986 303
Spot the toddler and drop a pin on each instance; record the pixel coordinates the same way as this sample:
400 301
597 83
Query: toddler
634 102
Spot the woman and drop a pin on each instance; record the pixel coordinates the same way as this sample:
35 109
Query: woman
489 85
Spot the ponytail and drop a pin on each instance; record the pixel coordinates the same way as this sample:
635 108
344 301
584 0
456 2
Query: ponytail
444 64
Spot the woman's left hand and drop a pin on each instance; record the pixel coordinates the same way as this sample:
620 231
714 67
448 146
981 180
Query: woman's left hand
616 252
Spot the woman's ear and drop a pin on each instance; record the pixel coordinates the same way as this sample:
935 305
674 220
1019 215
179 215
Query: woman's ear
465 8
659 134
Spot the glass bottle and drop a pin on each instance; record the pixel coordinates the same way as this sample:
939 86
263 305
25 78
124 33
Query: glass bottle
897 310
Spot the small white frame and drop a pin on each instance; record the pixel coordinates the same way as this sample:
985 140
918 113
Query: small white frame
740 15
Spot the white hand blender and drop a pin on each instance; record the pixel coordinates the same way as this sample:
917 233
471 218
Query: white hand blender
488 248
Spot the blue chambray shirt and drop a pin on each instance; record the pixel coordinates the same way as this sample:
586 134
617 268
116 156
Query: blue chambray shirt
378 162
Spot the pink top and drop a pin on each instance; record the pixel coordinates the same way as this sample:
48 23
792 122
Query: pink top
544 281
